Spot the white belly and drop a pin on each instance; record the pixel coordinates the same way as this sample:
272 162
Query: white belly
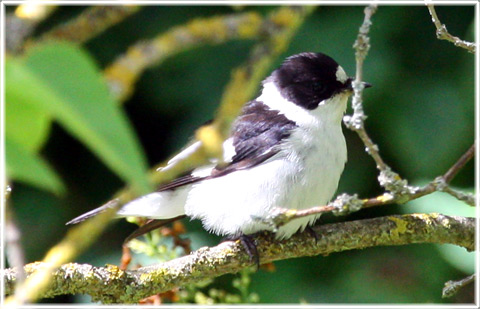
306 178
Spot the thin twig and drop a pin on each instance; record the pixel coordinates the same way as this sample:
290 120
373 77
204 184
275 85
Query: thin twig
452 286
468 198
452 171
387 178
443 34
356 121
442 183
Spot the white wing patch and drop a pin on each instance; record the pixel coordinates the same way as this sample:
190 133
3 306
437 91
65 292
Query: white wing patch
228 150
185 153
228 153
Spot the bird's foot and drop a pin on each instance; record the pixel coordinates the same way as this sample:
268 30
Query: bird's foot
312 233
248 243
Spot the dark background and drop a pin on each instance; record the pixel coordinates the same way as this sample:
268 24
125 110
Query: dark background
420 113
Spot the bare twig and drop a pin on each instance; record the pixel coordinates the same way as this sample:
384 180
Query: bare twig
112 285
355 122
361 46
468 198
387 178
452 286
441 183
452 172
443 34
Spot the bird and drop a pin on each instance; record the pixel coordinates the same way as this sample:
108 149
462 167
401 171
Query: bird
286 149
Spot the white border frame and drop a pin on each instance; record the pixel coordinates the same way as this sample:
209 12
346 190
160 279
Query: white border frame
244 2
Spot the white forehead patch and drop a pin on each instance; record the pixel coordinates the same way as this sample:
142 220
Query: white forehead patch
341 75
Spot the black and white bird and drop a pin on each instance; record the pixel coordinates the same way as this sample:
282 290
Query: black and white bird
286 149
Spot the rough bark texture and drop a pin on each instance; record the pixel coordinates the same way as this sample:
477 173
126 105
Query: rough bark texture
111 285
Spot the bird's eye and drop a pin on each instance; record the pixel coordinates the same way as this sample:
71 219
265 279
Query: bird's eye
317 87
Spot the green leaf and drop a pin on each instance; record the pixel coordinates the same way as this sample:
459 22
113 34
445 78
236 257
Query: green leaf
64 82
28 125
28 167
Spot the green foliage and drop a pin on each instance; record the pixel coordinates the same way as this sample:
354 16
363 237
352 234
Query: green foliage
26 124
23 165
201 294
154 247
59 81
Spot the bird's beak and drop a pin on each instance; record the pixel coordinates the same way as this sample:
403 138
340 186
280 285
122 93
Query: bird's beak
349 84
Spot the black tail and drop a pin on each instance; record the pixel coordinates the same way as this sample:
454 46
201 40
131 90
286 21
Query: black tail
92 213
147 227
151 225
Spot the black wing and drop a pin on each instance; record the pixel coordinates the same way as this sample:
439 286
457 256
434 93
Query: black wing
180 181
256 134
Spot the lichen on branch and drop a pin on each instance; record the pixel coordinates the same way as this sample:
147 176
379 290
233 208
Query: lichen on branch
111 285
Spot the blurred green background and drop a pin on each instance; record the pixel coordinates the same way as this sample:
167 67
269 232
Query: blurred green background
420 113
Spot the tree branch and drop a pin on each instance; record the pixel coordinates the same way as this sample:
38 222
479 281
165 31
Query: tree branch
453 171
111 285
443 34
452 286
388 179
90 23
